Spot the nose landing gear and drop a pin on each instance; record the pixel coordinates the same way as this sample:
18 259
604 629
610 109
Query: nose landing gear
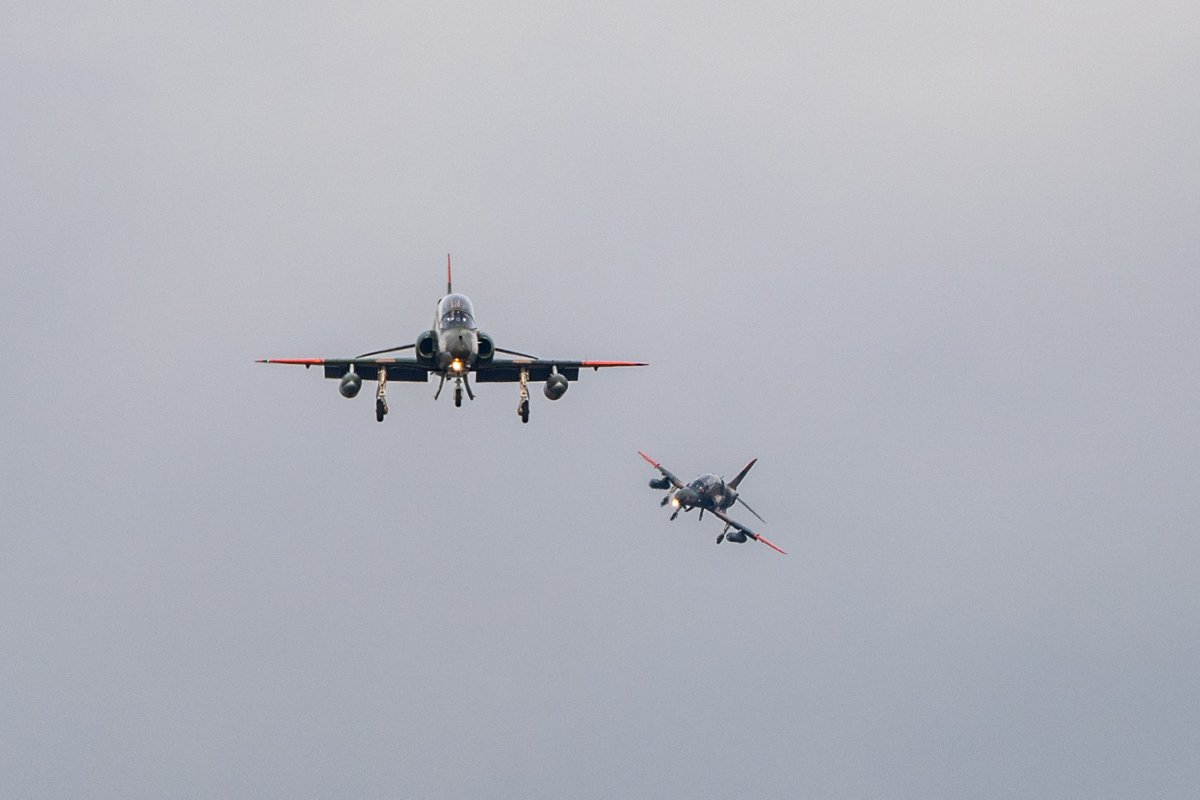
462 382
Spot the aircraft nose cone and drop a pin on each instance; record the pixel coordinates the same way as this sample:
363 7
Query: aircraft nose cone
457 344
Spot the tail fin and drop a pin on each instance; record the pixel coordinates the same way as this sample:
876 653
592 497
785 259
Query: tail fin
733 484
449 283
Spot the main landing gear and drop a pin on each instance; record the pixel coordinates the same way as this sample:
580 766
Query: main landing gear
523 403
381 407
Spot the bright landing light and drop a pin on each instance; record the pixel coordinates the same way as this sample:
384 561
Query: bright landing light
456 365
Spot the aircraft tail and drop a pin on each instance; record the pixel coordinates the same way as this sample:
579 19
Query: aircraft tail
733 484
449 283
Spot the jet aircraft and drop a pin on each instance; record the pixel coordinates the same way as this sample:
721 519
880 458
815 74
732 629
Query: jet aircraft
453 348
709 493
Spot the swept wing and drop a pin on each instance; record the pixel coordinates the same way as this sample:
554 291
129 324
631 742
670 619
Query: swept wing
508 370
739 526
499 370
666 473
398 369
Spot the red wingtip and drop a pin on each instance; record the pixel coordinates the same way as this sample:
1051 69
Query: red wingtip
308 362
599 364
653 463
771 544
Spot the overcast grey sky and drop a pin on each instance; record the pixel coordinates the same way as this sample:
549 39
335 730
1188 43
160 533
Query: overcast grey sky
934 264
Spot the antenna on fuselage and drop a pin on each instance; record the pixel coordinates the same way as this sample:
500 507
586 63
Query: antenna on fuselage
449 283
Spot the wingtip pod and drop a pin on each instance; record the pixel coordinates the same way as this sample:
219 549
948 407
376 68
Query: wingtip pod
653 463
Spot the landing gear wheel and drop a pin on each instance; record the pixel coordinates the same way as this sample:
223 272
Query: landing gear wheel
458 397
523 404
381 396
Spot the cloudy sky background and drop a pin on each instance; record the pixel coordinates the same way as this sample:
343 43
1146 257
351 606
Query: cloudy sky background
934 265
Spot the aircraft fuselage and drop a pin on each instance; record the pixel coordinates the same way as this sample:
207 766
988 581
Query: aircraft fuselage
708 491
457 335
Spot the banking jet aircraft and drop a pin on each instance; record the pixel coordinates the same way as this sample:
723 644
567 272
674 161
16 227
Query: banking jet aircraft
453 348
709 493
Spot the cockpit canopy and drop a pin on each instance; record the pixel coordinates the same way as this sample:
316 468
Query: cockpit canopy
454 311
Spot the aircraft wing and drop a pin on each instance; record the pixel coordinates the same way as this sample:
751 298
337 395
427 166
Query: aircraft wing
724 518
508 370
398 369
666 473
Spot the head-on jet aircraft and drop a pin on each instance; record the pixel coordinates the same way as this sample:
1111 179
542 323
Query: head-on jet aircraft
453 348
709 493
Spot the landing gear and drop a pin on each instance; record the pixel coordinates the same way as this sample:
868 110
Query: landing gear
461 382
721 538
381 407
523 403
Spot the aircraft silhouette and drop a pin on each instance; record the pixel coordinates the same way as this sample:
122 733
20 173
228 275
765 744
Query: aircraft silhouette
453 348
709 493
